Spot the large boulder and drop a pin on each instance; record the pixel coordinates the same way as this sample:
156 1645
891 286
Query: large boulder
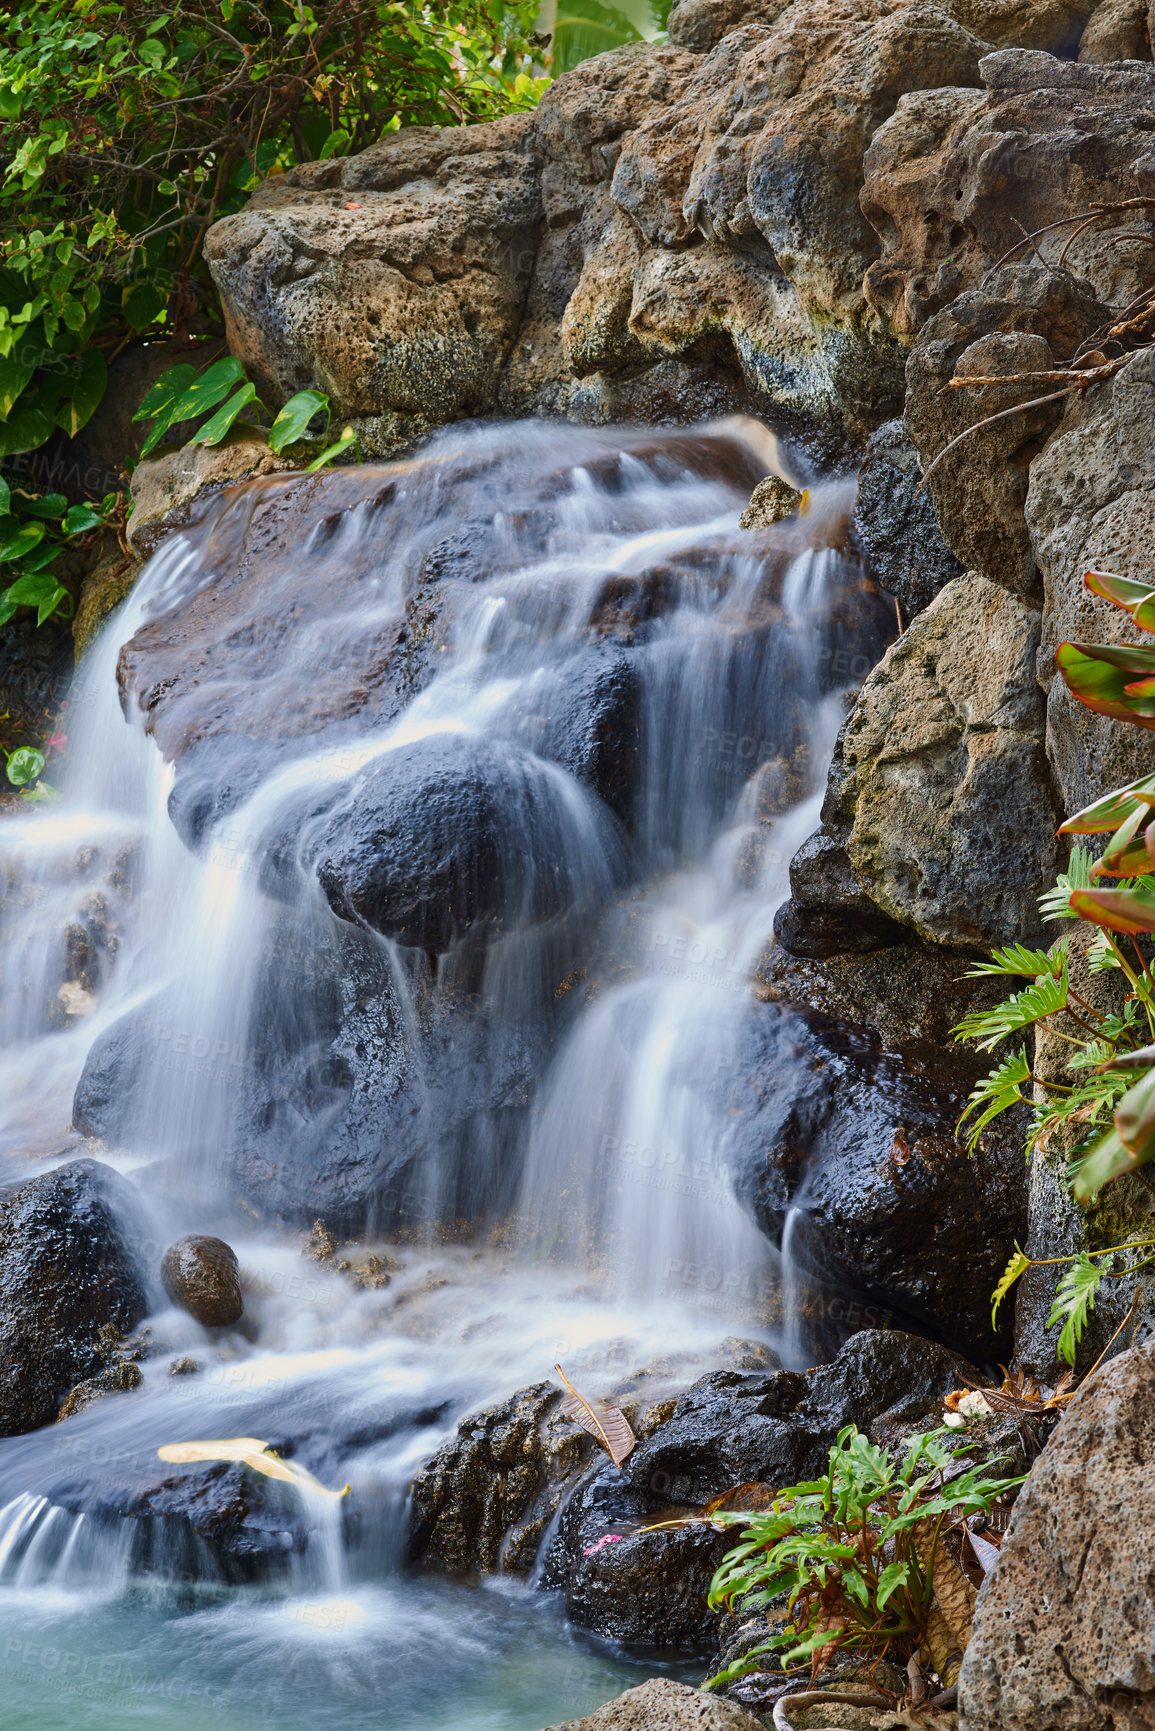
896 523
1064 1628
940 808
662 1705
853 1164
70 1284
393 281
453 836
1091 504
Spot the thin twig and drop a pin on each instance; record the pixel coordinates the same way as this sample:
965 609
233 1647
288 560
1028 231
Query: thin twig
1017 408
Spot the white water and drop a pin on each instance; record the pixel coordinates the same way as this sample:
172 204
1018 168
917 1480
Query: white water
605 1235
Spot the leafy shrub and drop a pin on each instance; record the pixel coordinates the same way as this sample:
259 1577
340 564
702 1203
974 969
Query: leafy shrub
128 129
848 1560
1109 1097
182 394
34 529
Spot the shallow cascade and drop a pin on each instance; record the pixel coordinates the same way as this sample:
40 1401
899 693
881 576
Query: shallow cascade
402 936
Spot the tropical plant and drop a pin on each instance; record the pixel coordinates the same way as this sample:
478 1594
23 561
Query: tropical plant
849 1560
1108 1098
129 128
581 28
182 394
34 530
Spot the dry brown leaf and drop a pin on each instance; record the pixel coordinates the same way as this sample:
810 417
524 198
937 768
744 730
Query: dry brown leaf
605 1423
953 1593
742 1499
251 1452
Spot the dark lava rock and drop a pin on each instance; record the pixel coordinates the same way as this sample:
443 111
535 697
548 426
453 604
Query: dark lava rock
119 1378
453 835
589 722
67 1275
519 1475
828 913
905 549
859 1137
202 1275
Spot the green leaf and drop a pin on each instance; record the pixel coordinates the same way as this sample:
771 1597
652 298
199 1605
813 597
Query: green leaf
1103 1163
1137 599
165 390
894 1576
583 28
996 1093
26 428
293 421
1047 997
5 497
46 505
15 372
218 425
25 765
1056 904
1016 1267
86 389
1016 959
79 518
347 439
1074 1301
24 540
35 589
1099 675
207 390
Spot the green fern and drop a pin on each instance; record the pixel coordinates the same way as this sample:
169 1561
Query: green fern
1056 903
1074 1302
1015 959
987 1027
996 1093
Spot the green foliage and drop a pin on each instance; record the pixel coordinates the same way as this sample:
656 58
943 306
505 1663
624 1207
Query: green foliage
127 129
847 1559
1047 997
181 393
34 529
1074 1301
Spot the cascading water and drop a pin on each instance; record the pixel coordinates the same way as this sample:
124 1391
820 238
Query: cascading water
437 924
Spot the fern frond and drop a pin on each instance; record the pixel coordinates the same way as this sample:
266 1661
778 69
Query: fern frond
1047 997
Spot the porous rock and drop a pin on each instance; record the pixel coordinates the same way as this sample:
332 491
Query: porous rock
663 1705
68 1276
1091 505
202 1275
940 805
1064 1627
895 520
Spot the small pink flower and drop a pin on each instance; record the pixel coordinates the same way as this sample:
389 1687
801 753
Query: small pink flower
59 742
609 1539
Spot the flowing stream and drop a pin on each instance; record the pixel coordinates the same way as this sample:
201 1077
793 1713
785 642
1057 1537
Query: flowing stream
529 1123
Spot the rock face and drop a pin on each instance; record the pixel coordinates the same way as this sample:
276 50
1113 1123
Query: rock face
675 232
855 1144
1091 504
67 1276
492 1493
661 1705
202 1276
1064 1631
896 524
940 808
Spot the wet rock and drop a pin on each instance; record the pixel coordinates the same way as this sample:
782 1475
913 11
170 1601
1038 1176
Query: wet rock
67 1273
771 501
202 1275
484 1501
35 663
856 1141
940 793
662 1705
393 280
727 1429
828 912
217 1523
587 717
905 549
119 1378
906 992
165 488
452 836
109 580
1091 504
1063 1633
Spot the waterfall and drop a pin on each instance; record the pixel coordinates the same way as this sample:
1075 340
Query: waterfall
510 1070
